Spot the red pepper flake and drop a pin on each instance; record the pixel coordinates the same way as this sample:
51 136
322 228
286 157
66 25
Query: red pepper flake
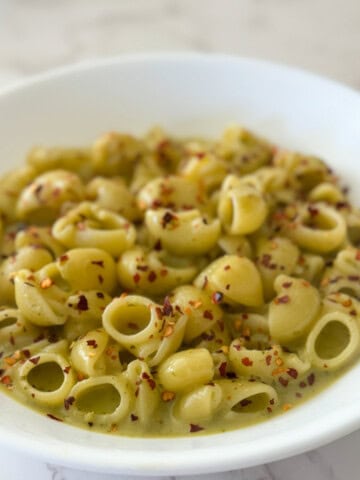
207 314
284 382
227 267
163 272
167 307
269 409
142 268
82 304
222 369
272 401
92 343
353 313
167 396
246 361
99 263
298 395
134 417
287 284
217 297
152 276
158 245
68 402
357 256
34 360
6 380
195 428
151 382
245 402
313 211
283 299
50 415
99 294
136 278
237 346
46 283
205 282
63 258
311 379
12 339
292 372
302 385
67 369
167 218
26 353
268 359
354 278
101 279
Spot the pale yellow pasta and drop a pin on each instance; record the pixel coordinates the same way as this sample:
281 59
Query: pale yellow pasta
198 405
12 185
39 237
206 169
177 373
113 194
153 272
46 378
333 341
235 245
293 312
102 400
89 225
310 267
326 192
236 279
87 353
183 233
251 327
15 331
41 201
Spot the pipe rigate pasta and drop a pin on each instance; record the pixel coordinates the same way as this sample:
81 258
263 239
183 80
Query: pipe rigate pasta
161 286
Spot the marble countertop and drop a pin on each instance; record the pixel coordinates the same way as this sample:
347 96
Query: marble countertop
321 36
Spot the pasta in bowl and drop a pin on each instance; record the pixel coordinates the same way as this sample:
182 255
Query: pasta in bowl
202 306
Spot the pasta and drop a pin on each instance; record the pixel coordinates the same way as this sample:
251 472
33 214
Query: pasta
164 286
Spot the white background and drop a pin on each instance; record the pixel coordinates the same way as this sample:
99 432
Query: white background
319 35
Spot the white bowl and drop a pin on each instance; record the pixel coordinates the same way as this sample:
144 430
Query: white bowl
196 94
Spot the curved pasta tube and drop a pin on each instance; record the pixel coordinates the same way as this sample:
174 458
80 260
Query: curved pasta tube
251 327
244 151
146 393
30 258
184 233
267 179
205 168
347 261
293 312
333 282
173 192
116 154
154 272
202 313
177 372
267 365
318 228
85 311
102 400
76 160
216 338
235 278
11 187
87 353
112 194
326 192
310 267
88 269
40 300
241 397
89 225
333 341
242 210
198 405
341 302
235 245
274 257
46 378
15 331
41 201
39 237
144 328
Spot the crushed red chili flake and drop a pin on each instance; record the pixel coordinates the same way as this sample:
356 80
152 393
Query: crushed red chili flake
26 353
227 286
222 369
50 415
82 304
167 218
207 314
246 361
163 272
167 396
205 282
292 372
39 338
287 284
208 336
68 402
136 278
195 428
134 417
269 409
353 313
313 211
167 307
152 276
92 343
158 245
284 382
67 369
133 325
217 297
12 339
245 402
46 283
237 346
99 263
357 256
99 294
268 359
302 385
311 379
63 258
6 380
283 299
227 267
354 278
101 279
142 268
298 394
34 360
271 401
